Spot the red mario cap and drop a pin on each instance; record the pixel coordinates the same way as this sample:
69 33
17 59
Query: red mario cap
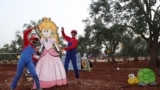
33 38
74 31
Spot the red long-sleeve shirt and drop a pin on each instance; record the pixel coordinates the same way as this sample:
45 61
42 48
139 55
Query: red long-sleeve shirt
26 41
72 40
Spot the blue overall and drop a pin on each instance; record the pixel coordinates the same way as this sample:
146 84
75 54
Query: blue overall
71 55
25 61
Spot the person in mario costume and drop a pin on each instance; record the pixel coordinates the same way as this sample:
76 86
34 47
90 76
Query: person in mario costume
26 58
71 51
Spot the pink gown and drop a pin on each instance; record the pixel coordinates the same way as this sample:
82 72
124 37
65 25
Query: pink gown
50 68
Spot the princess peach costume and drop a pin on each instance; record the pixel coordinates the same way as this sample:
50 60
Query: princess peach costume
50 68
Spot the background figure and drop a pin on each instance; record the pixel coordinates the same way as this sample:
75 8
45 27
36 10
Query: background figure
50 68
86 65
71 51
26 59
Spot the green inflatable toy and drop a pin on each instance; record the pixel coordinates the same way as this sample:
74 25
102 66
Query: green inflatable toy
146 76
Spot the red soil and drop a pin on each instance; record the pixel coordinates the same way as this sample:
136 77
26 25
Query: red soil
104 76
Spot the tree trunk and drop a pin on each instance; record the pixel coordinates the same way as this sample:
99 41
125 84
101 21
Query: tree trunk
113 59
135 59
153 58
153 54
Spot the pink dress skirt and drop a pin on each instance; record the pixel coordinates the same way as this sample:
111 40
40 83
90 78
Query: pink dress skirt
50 70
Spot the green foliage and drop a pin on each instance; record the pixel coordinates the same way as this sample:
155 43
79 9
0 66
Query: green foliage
10 52
133 47
112 23
104 31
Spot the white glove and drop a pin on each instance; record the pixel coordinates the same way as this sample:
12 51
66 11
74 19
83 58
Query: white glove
36 56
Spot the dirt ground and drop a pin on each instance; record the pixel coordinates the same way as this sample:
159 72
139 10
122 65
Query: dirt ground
104 76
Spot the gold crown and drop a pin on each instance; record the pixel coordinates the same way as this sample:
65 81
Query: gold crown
45 19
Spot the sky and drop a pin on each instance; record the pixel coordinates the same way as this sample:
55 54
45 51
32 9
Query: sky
15 13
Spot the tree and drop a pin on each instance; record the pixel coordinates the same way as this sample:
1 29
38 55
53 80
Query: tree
140 17
86 45
103 28
133 47
143 17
